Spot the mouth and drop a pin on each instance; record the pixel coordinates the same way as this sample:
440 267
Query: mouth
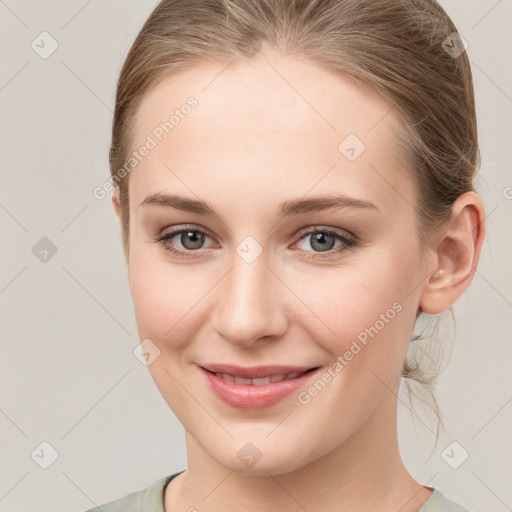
260 381
256 387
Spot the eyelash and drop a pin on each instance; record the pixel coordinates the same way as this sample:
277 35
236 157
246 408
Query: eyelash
348 242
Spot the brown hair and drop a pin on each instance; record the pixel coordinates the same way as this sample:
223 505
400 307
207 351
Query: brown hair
397 49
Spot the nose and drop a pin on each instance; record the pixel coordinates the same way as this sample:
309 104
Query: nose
250 304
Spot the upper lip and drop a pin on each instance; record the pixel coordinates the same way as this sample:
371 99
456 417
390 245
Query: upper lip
255 372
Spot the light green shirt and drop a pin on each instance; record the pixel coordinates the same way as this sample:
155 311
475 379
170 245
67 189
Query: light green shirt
152 500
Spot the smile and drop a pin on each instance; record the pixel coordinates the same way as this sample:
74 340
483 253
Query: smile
262 381
256 392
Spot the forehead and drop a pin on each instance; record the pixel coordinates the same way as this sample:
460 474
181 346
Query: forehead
274 121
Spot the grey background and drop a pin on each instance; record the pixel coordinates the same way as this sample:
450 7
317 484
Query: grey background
67 369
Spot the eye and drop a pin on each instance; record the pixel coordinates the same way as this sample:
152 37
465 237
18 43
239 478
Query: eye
191 240
323 240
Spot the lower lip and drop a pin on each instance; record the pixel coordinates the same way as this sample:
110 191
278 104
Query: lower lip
249 396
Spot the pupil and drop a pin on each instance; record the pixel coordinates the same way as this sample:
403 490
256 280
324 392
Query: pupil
322 240
191 239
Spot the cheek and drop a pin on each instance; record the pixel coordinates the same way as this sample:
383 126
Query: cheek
166 297
362 302
354 295
370 319
363 313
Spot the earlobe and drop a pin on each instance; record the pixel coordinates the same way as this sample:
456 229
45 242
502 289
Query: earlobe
457 255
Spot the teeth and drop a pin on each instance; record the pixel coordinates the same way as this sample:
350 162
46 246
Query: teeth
261 381
241 380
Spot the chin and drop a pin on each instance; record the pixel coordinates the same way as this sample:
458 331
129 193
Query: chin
263 468
259 458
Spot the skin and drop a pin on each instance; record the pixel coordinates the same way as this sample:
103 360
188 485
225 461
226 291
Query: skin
251 143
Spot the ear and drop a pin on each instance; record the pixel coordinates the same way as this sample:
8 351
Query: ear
116 204
456 255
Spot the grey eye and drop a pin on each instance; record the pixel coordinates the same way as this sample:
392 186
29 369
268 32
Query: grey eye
191 239
322 241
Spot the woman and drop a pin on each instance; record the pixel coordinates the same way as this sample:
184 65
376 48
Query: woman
294 183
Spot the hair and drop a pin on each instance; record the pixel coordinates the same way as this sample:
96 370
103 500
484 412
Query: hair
395 49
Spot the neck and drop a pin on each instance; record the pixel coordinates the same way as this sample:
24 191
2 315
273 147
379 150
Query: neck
363 473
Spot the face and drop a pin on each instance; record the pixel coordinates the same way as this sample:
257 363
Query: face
264 276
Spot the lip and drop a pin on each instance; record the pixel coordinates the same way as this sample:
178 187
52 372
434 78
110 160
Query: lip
249 396
255 372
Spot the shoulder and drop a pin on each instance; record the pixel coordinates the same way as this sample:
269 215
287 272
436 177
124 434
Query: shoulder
145 500
130 503
438 502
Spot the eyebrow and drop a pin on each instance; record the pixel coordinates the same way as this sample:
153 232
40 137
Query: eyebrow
287 208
